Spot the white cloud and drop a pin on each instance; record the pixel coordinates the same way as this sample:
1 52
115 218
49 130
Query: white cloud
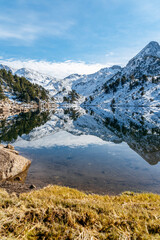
28 25
29 32
25 33
55 69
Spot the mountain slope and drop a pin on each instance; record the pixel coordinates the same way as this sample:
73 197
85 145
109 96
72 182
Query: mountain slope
12 86
137 84
37 78
84 85
147 61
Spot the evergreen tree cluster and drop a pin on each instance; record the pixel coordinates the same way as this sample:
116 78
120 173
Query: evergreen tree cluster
72 97
72 113
113 86
22 88
2 96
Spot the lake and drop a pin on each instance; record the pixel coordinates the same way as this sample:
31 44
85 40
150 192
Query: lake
94 149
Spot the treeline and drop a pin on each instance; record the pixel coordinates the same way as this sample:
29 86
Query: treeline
23 89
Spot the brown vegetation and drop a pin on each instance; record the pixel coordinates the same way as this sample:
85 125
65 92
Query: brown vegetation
62 213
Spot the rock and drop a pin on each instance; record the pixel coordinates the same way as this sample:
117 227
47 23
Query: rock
9 146
11 164
15 152
32 186
128 193
18 179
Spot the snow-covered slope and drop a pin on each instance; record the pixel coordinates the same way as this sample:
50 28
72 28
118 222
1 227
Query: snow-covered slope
58 88
137 84
89 84
84 85
48 82
147 62
134 92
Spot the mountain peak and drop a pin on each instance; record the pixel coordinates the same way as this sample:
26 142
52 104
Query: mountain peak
153 44
151 49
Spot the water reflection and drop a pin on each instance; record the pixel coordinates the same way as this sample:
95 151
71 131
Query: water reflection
21 124
93 149
139 128
21 177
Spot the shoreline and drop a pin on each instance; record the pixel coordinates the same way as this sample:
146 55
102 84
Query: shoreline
9 108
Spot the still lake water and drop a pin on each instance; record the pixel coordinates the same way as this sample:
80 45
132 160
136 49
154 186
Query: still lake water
94 149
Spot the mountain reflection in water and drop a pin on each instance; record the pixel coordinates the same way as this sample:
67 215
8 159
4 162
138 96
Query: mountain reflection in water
93 149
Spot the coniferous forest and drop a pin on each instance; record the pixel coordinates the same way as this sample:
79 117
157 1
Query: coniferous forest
23 89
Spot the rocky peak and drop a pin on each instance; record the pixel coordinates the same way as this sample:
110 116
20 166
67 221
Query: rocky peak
116 67
151 50
147 61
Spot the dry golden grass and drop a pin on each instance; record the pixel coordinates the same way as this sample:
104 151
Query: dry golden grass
63 213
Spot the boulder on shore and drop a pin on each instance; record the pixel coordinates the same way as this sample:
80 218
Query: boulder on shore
11 163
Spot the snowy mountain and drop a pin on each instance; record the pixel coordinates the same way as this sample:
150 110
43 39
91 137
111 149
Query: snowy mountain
147 62
48 82
136 84
89 84
84 85
127 86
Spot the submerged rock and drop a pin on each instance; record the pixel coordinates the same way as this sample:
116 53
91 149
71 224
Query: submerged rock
11 164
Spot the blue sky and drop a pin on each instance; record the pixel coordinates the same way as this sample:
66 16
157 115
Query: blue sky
103 32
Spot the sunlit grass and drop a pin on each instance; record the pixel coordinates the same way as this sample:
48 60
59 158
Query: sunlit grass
63 213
